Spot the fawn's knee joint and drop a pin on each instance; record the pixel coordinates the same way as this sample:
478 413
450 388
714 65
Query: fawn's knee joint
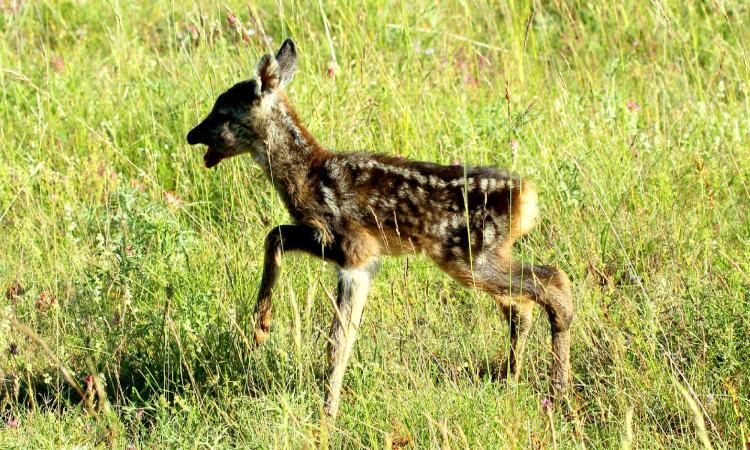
560 320
560 309
565 320
556 278
273 245
273 240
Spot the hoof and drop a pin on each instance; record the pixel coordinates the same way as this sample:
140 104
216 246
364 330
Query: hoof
496 372
558 389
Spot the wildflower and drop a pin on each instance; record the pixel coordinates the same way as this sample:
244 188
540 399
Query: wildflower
45 300
12 423
331 71
193 30
14 290
235 23
546 404
514 145
58 64
13 349
633 106
173 200
89 380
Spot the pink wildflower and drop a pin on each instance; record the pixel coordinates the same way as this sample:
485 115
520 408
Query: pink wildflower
633 106
58 64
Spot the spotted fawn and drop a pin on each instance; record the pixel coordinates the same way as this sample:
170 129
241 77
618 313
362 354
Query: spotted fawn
352 208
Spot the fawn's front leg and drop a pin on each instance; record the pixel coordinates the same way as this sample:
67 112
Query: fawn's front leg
352 296
285 238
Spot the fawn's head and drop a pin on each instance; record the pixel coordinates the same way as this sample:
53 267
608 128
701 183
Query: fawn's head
238 121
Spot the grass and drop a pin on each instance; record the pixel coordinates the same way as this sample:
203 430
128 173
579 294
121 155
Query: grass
136 265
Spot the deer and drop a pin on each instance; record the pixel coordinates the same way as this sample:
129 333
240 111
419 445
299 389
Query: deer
351 209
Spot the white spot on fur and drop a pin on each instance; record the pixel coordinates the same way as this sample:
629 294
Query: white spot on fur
404 172
488 234
461 182
421 179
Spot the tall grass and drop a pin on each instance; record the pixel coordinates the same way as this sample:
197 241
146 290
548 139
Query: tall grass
137 267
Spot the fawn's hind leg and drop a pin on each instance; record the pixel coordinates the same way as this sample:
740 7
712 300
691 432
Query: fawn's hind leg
551 288
547 286
352 295
518 316
281 239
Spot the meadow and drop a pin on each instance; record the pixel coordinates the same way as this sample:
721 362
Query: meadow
128 266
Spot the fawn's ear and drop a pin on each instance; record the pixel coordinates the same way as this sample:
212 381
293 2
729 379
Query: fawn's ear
287 58
269 74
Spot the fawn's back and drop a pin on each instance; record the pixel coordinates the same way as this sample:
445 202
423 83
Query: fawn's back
447 212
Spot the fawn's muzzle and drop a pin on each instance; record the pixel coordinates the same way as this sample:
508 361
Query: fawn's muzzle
195 136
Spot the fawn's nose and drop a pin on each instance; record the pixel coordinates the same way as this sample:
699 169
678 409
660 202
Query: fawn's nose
195 136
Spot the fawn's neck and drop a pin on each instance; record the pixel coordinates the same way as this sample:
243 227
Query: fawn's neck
290 153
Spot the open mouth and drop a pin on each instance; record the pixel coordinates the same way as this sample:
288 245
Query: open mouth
212 158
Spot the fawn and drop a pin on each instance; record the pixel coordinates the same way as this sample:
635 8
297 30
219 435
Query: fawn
351 208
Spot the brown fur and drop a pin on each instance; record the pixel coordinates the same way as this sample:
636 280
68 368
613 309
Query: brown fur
351 208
